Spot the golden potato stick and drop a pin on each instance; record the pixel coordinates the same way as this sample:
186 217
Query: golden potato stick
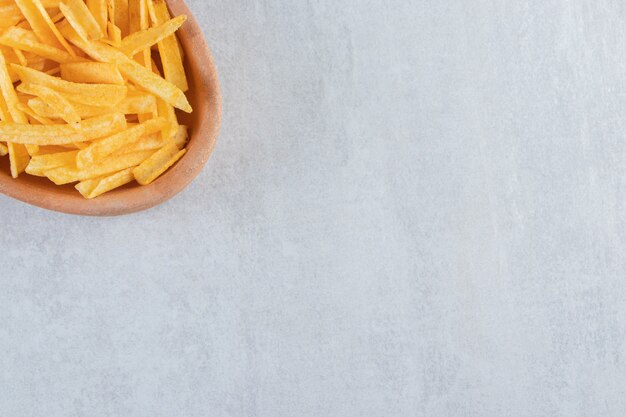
21 58
171 59
180 139
53 99
90 129
25 40
136 73
81 19
98 9
115 35
135 104
11 15
46 150
3 149
32 115
42 25
144 39
153 167
166 111
121 16
18 158
91 72
115 163
93 94
39 164
9 94
94 188
102 148
152 142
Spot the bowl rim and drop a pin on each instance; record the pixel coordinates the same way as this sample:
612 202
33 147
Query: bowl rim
203 137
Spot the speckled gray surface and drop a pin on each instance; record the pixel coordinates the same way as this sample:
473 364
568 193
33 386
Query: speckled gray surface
415 208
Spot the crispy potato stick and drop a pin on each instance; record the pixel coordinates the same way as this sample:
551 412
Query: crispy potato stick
42 25
93 94
18 158
32 115
91 72
56 101
136 73
182 134
98 9
81 19
90 129
115 35
171 59
138 41
11 14
39 164
104 147
121 15
133 104
19 155
25 40
93 188
49 149
157 164
115 163
3 149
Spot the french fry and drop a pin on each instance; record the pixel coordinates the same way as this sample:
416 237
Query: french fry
3 149
11 14
56 101
121 16
102 148
115 35
34 116
91 72
42 25
18 158
158 163
171 59
94 94
98 9
96 187
90 129
25 40
116 163
132 104
145 39
182 134
136 73
80 18
39 164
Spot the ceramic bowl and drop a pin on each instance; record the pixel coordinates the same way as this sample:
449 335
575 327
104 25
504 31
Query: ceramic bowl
204 125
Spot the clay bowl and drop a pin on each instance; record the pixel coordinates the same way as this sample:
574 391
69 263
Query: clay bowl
204 124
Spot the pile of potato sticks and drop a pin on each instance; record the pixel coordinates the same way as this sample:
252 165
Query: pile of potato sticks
82 96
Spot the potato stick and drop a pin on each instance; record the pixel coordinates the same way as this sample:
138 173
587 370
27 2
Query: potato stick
133 104
39 164
116 163
25 40
121 16
115 35
3 149
157 164
136 73
91 72
31 114
93 128
47 150
171 59
104 147
180 139
144 39
94 188
21 57
18 158
42 25
84 93
53 99
98 9
81 19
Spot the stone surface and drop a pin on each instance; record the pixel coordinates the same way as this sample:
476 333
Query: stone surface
415 208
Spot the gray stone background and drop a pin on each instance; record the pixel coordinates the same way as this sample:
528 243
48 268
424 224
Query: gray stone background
415 208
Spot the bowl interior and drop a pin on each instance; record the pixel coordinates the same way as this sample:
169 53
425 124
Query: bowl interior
204 124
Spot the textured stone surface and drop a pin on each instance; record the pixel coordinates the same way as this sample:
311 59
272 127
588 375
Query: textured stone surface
416 208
